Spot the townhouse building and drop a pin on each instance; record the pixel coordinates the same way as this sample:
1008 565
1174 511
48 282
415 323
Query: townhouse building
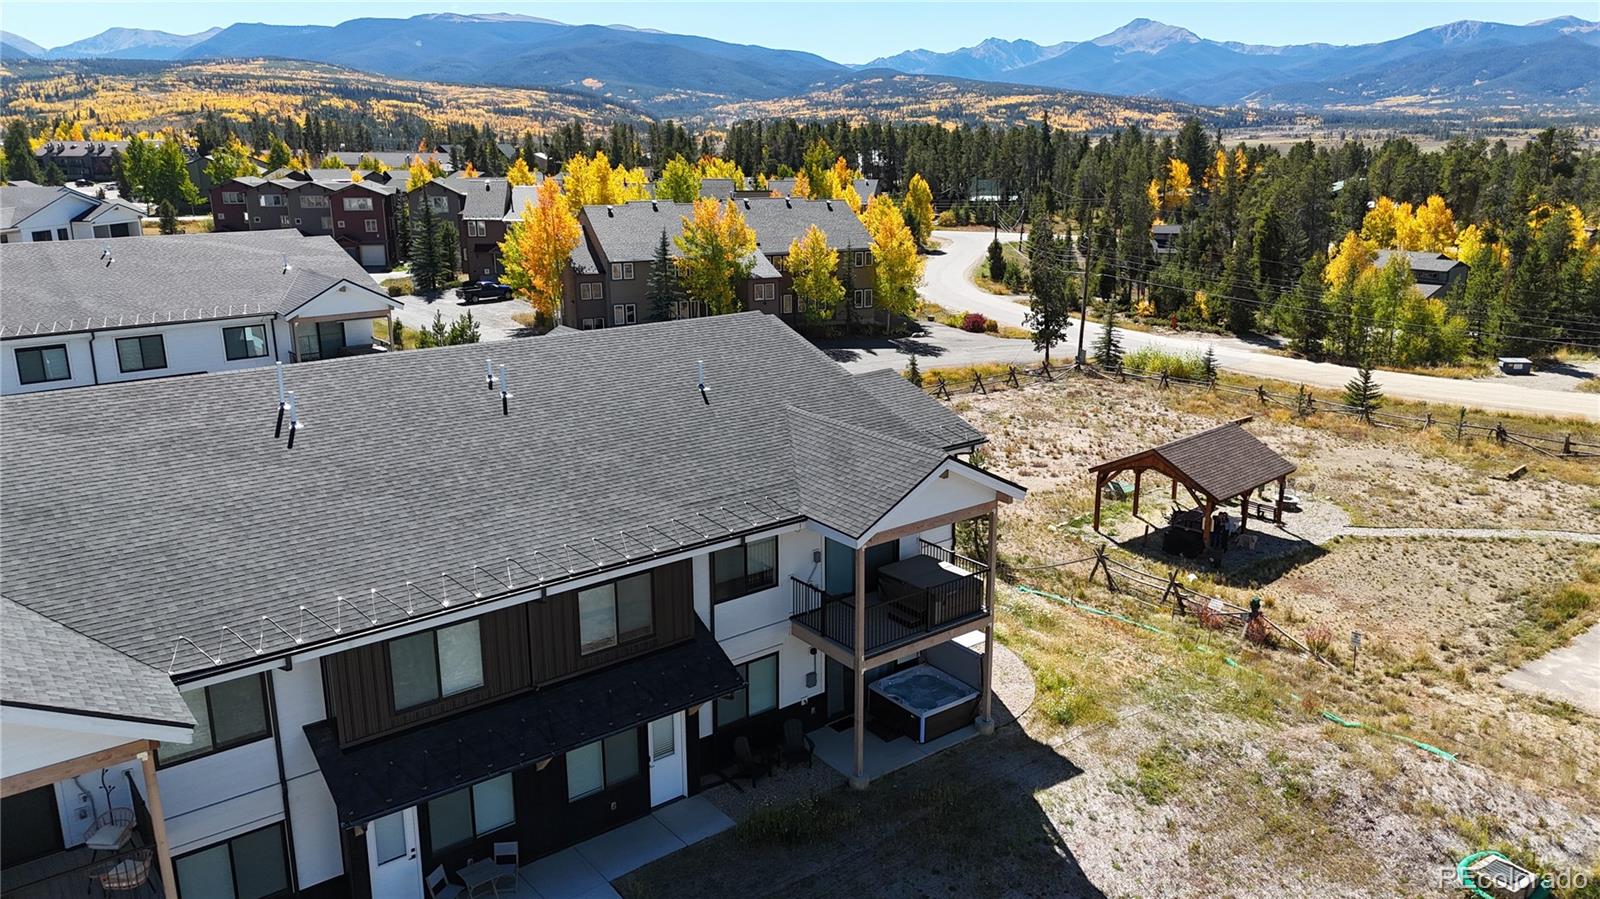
81 313
756 536
358 215
81 160
1435 273
607 284
488 207
36 213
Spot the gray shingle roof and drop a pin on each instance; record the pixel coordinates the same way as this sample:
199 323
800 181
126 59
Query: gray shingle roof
486 199
629 232
154 509
919 410
1223 462
67 286
20 199
778 222
716 188
521 196
47 665
1419 261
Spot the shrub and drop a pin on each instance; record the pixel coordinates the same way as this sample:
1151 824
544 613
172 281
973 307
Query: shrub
1149 360
991 326
913 373
399 287
997 261
1319 638
974 322
947 218
1015 281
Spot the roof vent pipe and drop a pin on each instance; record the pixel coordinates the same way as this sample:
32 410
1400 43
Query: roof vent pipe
654 207
609 213
705 392
488 374
787 204
294 419
830 204
505 393
286 265
747 202
283 401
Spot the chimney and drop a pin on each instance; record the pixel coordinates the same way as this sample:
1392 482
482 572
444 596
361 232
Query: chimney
286 265
746 202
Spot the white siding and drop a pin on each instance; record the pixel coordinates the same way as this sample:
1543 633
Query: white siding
312 814
78 362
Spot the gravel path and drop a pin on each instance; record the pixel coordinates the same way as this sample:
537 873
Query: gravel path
1474 534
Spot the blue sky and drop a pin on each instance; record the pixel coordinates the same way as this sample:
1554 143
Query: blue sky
843 31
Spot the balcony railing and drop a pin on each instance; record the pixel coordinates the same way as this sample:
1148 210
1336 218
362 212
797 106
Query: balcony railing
896 613
80 872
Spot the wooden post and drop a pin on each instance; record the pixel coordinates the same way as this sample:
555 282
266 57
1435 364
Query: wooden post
985 720
1099 485
859 780
1138 475
1205 525
1244 513
158 822
1174 489
1277 512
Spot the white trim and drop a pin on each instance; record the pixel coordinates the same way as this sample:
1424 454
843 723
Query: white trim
290 315
95 724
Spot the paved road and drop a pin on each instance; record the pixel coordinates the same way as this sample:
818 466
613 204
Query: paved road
1474 534
946 282
1571 673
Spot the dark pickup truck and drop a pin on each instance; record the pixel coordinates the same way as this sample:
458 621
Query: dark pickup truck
484 292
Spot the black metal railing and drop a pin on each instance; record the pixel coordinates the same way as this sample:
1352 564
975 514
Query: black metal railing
77 873
899 615
951 557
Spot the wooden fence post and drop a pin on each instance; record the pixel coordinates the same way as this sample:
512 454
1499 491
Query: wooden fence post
1011 376
1500 433
942 390
1045 372
977 383
1566 445
1261 393
1175 592
1164 384
1461 425
1427 422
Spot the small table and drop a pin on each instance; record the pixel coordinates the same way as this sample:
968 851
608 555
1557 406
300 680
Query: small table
480 872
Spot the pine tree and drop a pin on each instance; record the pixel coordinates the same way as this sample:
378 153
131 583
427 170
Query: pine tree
1362 394
402 230
425 250
1108 348
447 243
665 291
997 261
169 218
20 164
53 175
913 373
1208 365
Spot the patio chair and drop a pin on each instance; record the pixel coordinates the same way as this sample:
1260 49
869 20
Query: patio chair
749 766
797 747
125 875
506 859
439 889
112 830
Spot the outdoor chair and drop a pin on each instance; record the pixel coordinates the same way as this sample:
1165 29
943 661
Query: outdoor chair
439 889
112 830
126 874
749 766
507 859
797 747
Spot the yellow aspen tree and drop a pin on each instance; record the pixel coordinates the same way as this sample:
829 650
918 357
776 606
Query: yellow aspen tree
717 246
814 266
519 175
1152 194
679 181
802 185
537 249
1381 225
469 170
1179 184
897 266
1434 226
419 173
919 203
850 197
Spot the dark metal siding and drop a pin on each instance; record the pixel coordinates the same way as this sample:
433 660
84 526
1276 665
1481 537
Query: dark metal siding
554 626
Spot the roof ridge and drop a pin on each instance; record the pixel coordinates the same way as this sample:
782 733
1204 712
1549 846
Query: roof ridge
64 626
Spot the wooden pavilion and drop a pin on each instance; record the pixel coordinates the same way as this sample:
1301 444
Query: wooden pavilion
1217 467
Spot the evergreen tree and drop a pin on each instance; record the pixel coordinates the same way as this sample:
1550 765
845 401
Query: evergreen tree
665 291
997 261
169 218
53 175
425 272
20 164
1054 293
1362 393
913 373
1208 366
119 174
1108 348
447 244
402 230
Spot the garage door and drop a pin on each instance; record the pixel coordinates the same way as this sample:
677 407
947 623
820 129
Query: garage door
372 255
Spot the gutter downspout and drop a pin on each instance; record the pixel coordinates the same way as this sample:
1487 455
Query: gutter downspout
94 368
283 780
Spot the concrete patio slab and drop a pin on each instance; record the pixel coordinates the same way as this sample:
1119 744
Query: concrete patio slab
1571 673
693 819
565 875
837 750
616 852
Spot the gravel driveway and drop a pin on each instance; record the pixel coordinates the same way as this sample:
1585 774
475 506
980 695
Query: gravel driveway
493 318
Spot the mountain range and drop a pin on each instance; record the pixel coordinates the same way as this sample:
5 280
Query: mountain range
1551 65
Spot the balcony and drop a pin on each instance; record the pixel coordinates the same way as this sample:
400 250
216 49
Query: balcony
936 591
80 871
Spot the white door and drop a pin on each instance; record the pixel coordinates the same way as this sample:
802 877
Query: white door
373 255
394 857
667 759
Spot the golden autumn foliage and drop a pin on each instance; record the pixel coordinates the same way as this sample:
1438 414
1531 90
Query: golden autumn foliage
716 244
1574 216
1430 226
897 266
593 181
423 169
717 167
1353 257
1171 191
919 203
814 266
537 248
469 170
519 175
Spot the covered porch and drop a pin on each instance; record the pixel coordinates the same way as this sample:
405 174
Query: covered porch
336 320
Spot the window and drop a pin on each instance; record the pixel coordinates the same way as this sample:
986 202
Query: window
760 693
327 221
427 667
244 342
688 309
788 303
226 715
861 258
232 198
763 291
141 353
624 314
602 764
437 204
372 226
455 818
117 229
39 364
314 201
41 236
616 268
592 324
741 570
863 298
249 866
357 204
61 234
477 229
614 613
590 290
627 269
389 835
271 200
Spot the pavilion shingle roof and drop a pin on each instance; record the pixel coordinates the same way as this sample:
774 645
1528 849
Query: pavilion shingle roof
1223 462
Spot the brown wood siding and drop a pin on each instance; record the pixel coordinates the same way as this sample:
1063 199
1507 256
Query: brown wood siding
553 626
529 645
361 698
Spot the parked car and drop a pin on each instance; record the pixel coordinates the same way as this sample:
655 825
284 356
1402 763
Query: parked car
484 292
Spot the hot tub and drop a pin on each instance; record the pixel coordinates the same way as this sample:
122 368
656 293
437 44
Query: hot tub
922 702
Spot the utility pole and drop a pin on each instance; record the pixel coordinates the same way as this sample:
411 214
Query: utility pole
1083 317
